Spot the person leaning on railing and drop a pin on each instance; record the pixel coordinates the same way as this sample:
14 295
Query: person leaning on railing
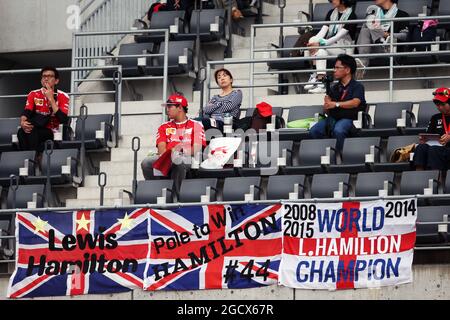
436 156
45 110
228 101
345 100
376 30
329 36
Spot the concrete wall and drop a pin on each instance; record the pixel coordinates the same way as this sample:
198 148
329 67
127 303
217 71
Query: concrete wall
34 25
430 282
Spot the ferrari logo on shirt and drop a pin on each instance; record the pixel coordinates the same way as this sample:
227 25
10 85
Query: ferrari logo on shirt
38 102
171 131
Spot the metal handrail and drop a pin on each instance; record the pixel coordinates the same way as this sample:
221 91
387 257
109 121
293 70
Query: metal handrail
281 26
77 79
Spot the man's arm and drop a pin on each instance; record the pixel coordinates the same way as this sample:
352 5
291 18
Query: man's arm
162 147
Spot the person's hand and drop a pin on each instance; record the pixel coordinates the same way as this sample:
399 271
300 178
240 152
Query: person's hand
386 34
313 44
422 140
328 103
445 139
49 93
26 126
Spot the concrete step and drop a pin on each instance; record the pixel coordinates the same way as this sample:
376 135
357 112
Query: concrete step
126 154
86 193
114 180
128 107
117 168
140 124
148 140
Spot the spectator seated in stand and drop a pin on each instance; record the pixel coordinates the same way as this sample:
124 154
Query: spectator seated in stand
226 103
45 110
434 152
177 141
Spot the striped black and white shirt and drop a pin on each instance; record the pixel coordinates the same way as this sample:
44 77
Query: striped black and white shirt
218 105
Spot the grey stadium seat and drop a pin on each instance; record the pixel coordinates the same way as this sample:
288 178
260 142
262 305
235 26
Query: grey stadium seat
361 8
385 119
265 164
192 189
11 162
394 143
130 67
24 194
57 160
162 20
8 127
413 8
354 155
288 42
429 233
413 182
93 124
426 110
234 189
368 183
309 156
324 185
207 17
147 191
296 113
279 187
176 49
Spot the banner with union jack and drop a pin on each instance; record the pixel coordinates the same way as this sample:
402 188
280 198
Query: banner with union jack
79 252
348 245
214 247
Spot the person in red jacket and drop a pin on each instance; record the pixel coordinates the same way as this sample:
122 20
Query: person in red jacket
45 110
177 141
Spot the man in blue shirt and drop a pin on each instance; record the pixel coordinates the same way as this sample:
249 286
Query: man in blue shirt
341 104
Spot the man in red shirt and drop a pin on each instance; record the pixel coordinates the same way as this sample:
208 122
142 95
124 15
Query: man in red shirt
45 110
177 141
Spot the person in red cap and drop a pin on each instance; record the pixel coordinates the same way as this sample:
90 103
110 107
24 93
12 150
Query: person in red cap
177 141
436 157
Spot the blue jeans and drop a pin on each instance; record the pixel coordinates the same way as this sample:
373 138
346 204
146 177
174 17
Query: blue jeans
341 131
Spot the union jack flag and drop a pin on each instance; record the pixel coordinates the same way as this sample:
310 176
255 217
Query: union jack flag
248 241
37 232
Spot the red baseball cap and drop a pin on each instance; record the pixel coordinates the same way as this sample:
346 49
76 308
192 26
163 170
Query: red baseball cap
264 109
442 95
176 99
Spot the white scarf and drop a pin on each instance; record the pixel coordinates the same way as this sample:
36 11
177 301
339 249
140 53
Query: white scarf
392 13
335 28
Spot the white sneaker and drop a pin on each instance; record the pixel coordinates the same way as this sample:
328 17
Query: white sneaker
312 82
319 88
361 69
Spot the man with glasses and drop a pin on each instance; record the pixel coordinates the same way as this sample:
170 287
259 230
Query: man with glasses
45 110
177 141
436 156
341 104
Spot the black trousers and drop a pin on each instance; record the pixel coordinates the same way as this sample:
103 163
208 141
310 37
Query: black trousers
432 157
35 140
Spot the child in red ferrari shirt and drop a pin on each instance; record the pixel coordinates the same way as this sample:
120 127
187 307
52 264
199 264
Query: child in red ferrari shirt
177 141
45 110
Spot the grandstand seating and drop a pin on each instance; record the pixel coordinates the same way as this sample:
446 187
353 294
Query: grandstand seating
8 128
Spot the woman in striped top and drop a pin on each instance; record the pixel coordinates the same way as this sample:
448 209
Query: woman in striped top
227 101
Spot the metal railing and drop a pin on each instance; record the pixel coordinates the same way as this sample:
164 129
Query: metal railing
81 56
391 54
117 92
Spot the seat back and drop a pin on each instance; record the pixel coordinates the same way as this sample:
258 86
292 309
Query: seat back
361 8
268 158
426 110
176 49
206 18
429 233
413 8
279 187
368 183
323 185
320 11
92 124
58 159
11 162
303 112
8 127
133 49
191 190
164 19
413 182
386 114
311 150
24 194
395 142
147 191
355 149
444 7
235 188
